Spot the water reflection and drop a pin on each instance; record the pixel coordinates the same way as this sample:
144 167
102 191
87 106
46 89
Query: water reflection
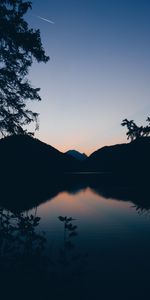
68 255
21 246
25 257
86 238
26 196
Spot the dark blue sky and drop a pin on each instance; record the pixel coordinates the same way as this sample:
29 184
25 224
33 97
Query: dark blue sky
99 72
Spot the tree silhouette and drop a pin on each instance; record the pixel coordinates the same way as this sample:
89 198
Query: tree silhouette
146 129
19 45
134 132
21 245
131 128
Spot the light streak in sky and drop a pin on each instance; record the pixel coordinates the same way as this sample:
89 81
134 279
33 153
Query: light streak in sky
46 20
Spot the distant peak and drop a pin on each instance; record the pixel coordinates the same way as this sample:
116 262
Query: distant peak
76 154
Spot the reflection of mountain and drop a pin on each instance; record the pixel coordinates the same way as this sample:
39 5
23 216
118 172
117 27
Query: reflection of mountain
139 197
32 172
20 199
77 155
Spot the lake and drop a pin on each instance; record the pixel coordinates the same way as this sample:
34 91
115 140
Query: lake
83 243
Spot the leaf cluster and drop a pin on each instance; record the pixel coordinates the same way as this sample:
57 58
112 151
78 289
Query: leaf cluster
134 132
19 46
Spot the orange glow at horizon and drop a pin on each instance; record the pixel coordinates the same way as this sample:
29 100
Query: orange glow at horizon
77 144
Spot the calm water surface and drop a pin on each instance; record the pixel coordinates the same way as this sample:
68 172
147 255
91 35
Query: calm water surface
103 252
113 235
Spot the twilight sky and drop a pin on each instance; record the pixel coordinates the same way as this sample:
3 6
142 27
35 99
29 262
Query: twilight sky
99 72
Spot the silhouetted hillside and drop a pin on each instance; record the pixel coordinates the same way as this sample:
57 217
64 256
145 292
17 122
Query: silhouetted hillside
29 164
24 156
32 171
76 154
123 158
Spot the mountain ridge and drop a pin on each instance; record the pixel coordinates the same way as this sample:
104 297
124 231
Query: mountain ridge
26 154
76 154
133 156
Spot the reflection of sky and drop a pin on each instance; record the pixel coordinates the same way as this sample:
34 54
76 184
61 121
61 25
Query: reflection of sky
111 248
98 73
91 208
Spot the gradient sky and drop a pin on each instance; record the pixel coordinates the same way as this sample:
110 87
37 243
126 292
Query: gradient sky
99 72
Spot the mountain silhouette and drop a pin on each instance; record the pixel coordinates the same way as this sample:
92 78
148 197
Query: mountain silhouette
23 155
32 171
131 158
28 162
76 154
